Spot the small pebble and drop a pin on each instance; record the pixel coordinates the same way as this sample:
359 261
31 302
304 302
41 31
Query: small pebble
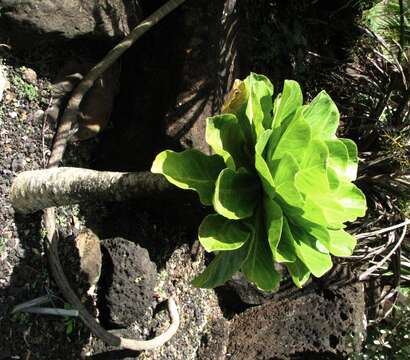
29 75
18 164
13 114
38 115
31 147
8 97
20 252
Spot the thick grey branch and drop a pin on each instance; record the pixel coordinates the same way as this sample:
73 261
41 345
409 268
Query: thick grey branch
40 189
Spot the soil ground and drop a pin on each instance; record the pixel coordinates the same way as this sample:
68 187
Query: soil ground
25 137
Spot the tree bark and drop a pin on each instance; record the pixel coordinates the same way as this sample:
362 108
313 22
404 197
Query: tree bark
39 189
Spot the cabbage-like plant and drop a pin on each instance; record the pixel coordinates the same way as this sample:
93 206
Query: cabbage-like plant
279 182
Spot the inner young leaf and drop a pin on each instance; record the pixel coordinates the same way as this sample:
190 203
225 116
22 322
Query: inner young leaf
236 194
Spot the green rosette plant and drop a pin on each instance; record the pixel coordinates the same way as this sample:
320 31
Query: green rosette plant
280 183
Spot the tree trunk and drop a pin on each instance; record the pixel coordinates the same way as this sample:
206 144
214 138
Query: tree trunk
40 189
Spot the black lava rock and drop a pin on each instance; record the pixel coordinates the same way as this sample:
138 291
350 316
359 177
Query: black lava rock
126 288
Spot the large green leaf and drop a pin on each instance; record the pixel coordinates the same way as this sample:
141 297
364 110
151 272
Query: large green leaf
323 116
261 166
236 194
259 266
294 140
334 208
273 223
306 250
315 155
351 169
325 210
332 179
190 169
287 108
217 233
263 140
284 182
221 268
313 213
338 157
265 176
299 272
339 201
259 107
346 203
225 137
285 251
352 199
286 170
318 232
341 243
312 178
287 103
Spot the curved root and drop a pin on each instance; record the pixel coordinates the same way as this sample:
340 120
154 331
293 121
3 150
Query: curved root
59 144
89 321
160 340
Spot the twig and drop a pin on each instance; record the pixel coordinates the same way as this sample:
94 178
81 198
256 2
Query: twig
382 231
52 311
367 255
34 302
43 130
372 269
32 307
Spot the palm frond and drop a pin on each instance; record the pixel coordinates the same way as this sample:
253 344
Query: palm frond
390 19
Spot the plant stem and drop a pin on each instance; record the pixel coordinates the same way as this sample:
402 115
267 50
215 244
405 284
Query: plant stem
382 231
372 269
